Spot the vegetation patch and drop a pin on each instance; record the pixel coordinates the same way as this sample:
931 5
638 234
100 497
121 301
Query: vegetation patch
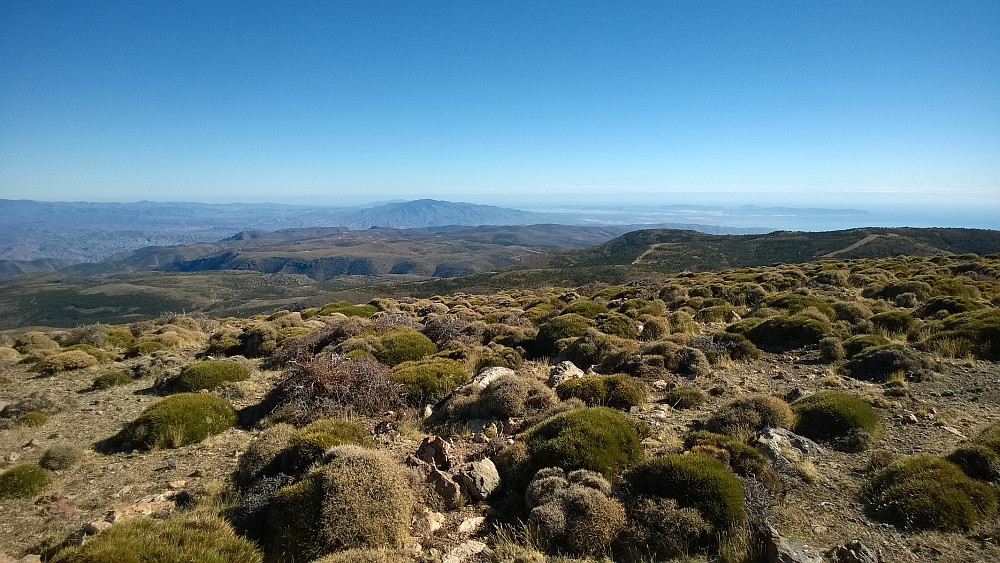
178 420
685 397
198 536
23 481
747 417
430 380
787 333
403 345
838 418
207 374
110 379
60 456
66 361
925 492
980 330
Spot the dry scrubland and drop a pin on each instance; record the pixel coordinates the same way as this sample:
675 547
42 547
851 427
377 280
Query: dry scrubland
847 406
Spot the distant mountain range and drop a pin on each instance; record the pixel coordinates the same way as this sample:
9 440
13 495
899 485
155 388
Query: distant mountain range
38 236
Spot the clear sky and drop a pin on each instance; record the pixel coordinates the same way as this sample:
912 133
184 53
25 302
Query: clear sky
518 103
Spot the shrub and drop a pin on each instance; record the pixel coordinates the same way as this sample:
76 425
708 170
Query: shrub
893 321
359 499
33 419
60 456
980 329
66 361
747 417
117 337
573 513
9 355
694 480
23 481
367 556
598 438
617 324
347 308
178 420
838 418
585 308
262 456
335 386
430 380
831 349
443 329
951 305
563 326
307 445
207 374
744 459
851 311
682 322
977 461
659 529
110 379
787 333
34 341
196 536
877 364
225 341
921 289
403 345
691 363
625 392
737 346
928 492
684 397
856 344
512 396
591 389
259 341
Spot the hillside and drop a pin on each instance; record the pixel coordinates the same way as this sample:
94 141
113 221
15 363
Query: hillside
797 412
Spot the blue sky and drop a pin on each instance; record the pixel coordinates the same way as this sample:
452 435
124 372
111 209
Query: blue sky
518 103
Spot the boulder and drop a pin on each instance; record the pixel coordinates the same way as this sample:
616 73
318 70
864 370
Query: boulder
784 448
783 550
479 479
854 552
563 371
436 451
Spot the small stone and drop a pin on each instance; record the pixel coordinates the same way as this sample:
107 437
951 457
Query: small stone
96 527
12 457
479 438
660 385
34 443
428 411
470 525
464 552
428 522
176 485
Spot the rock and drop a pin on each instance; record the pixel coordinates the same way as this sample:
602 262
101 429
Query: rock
34 443
12 457
480 479
563 371
487 376
783 550
464 552
479 438
96 527
732 317
479 425
446 487
54 504
854 552
427 523
428 411
470 525
954 431
386 427
30 559
783 448
436 451
661 385
176 485
155 506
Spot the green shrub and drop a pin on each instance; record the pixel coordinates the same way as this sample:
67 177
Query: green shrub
744 459
178 420
681 322
9 355
101 356
66 361
207 374
921 289
839 418
897 321
977 461
691 363
196 536
787 333
23 481
60 456
625 392
359 499
747 417
33 419
795 303
225 341
263 455
258 342
307 445
368 556
403 344
685 397
831 349
851 311
117 337
563 326
659 529
694 480
347 308
513 396
591 389
856 344
926 492
950 305
599 439
585 308
737 346
430 380
877 364
617 324
110 379
980 329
